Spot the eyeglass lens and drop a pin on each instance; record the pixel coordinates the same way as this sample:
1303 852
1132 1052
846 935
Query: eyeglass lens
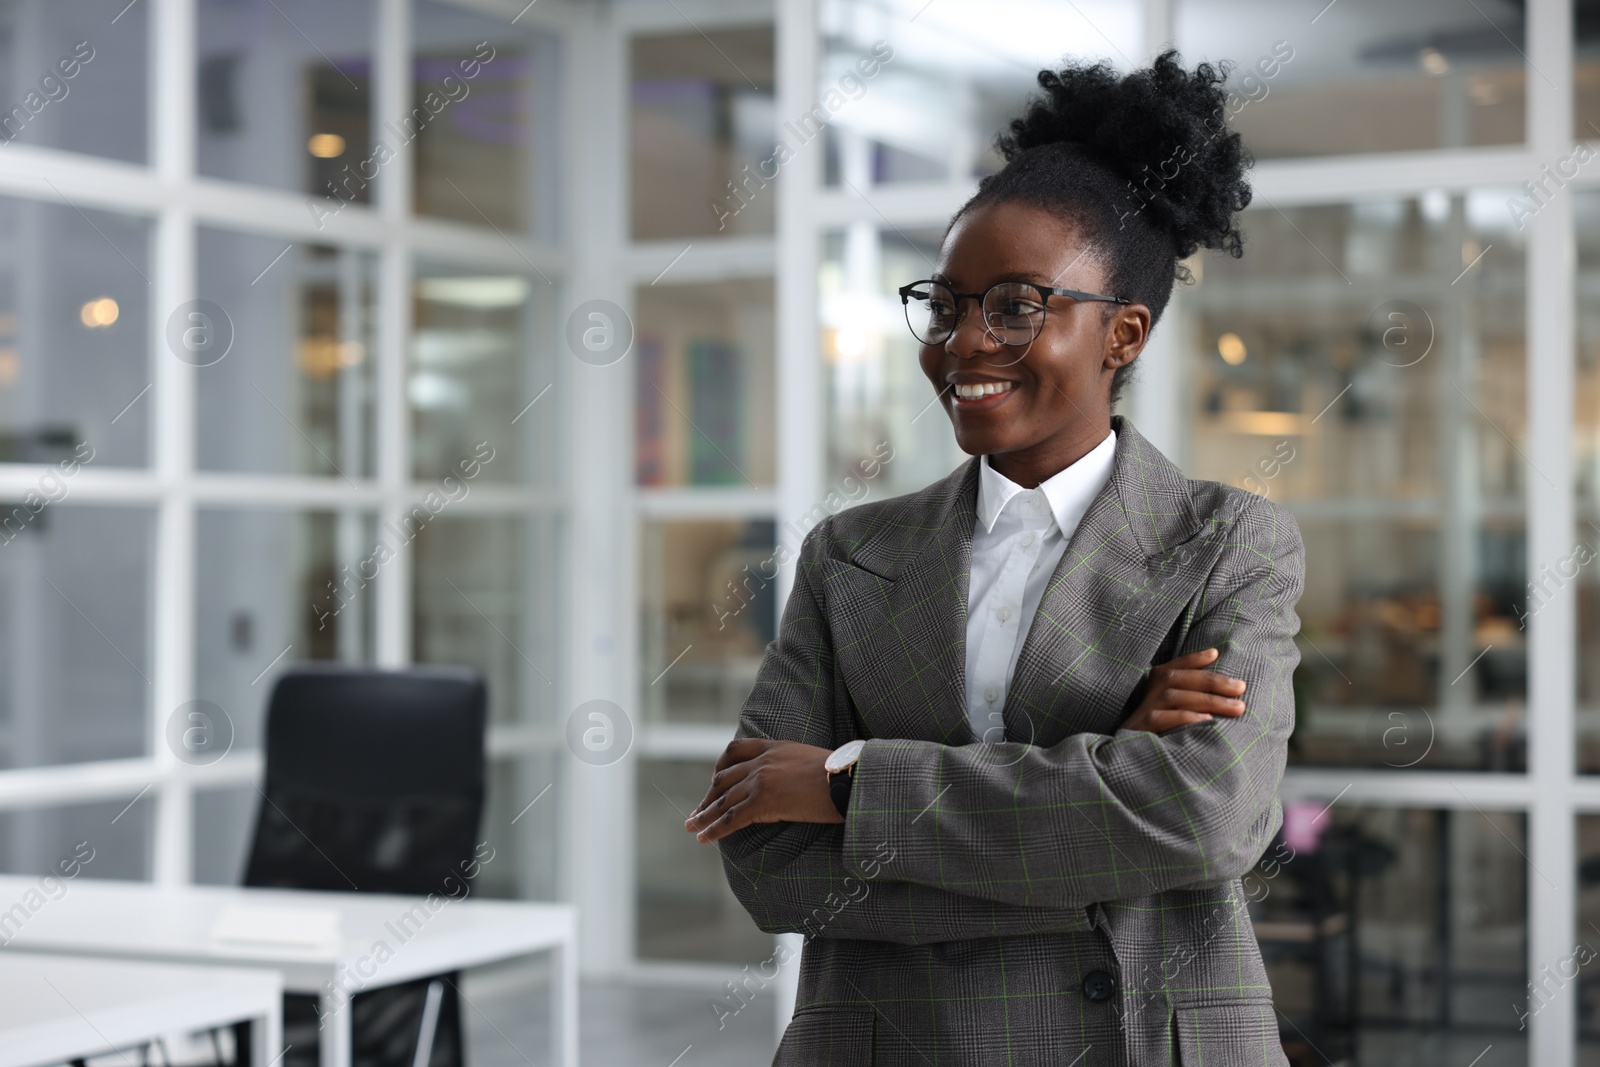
1012 313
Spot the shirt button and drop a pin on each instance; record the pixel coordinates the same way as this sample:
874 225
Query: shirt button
991 694
1027 540
1099 986
1034 502
1004 613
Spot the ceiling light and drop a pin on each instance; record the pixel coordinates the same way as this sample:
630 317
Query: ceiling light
325 145
1433 61
100 313
1231 348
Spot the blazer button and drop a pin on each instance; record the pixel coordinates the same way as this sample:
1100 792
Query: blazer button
1099 986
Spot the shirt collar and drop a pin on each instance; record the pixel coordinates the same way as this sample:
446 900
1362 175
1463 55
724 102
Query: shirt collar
1069 491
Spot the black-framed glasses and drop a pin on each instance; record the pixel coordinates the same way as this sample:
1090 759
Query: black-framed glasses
1013 312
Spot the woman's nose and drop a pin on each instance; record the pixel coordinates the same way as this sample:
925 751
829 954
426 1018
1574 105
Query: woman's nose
970 338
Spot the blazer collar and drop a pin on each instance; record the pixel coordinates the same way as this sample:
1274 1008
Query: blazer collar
1145 508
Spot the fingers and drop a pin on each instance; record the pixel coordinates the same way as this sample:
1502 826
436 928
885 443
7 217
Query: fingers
1202 658
1177 699
740 813
1159 722
1203 682
713 809
738 753
724 779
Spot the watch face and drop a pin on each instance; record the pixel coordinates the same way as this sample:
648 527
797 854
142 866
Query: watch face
844 756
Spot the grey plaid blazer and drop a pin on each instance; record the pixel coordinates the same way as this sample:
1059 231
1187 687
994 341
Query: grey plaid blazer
1071 895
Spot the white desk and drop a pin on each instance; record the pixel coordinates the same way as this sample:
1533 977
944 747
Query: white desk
382 940
54 1009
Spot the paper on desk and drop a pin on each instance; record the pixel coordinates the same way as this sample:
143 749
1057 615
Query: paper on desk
277 926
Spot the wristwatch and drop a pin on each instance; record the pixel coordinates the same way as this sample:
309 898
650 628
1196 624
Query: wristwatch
841 768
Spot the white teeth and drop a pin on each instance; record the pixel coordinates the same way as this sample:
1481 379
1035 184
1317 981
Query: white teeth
982 389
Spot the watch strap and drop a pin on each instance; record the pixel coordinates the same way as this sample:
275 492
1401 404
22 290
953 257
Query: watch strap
839 789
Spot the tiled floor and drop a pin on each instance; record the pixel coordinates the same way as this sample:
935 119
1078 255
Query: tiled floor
621 1025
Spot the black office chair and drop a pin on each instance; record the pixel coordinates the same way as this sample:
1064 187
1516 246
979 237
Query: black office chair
374 784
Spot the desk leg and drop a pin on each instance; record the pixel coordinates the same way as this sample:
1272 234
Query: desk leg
564 1005
335 1037
266 1037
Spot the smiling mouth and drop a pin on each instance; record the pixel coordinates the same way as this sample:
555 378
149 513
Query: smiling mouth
979 390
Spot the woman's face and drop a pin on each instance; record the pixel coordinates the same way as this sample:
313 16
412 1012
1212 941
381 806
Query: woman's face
1056 403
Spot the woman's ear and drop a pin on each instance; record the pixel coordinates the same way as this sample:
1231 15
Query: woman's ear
1126 334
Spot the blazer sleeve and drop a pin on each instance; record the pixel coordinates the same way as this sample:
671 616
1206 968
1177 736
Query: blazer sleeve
792 877
1098 817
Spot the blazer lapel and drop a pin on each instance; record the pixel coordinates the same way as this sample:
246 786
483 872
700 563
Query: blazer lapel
1126 575
898 611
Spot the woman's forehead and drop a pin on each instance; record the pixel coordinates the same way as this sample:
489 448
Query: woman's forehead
1013 241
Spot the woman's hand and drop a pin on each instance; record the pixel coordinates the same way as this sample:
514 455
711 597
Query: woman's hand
1180 692
758 780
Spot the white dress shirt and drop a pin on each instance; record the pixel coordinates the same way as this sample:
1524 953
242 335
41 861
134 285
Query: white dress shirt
1017 541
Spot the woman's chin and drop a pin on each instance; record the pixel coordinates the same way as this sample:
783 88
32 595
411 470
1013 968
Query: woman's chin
975 441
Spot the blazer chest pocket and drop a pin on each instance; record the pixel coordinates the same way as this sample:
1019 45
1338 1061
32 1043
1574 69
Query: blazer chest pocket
827 1037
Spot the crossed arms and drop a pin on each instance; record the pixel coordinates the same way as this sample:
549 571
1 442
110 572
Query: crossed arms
959 842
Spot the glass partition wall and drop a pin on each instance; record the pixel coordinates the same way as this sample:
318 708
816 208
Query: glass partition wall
265 371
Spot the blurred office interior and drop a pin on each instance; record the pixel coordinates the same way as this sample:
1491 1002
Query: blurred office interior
1407 357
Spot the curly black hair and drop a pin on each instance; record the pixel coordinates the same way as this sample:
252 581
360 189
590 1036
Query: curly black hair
1142 164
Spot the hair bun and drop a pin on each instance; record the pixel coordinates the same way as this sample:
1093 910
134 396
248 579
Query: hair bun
1162 129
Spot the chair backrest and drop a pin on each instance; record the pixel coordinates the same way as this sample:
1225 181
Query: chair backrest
374 780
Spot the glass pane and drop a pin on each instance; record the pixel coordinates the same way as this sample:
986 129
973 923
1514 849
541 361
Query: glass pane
1364 75
486 590
282 339
887 434
103 839
285 96
478 377
1576 566
305 594
705 384
224 824
1364 364
686 910
1586 71
74 323
1415 918
75 644
483 118
914 91
1587 945
521 821
708 609
704 120
77 73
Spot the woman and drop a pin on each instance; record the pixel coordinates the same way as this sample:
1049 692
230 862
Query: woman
1021 732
